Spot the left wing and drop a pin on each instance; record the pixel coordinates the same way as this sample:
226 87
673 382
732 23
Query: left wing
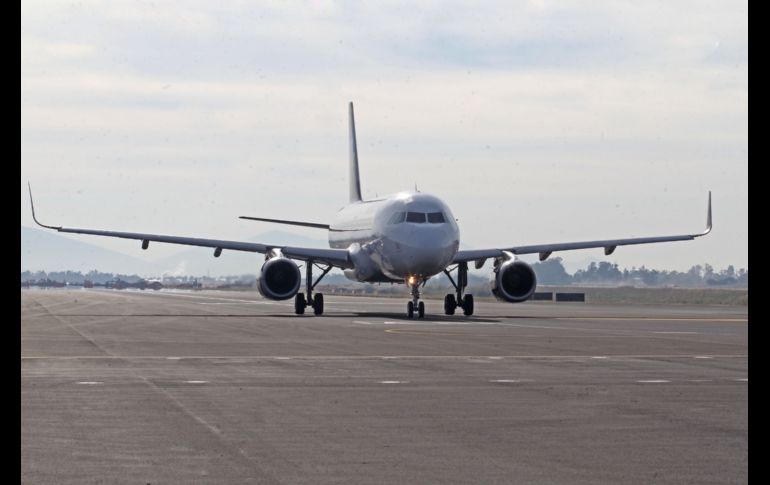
545 250
334 257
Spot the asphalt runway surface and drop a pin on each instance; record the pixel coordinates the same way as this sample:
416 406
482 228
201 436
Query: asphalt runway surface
225 387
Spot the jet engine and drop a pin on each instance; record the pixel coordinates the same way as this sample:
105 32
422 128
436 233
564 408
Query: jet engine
279 279
513 281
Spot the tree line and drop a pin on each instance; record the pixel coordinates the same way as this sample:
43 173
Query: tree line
549 272
552 272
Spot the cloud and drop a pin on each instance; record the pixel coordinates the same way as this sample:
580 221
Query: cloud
199 111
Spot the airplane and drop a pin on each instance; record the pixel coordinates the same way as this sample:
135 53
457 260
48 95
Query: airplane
408 237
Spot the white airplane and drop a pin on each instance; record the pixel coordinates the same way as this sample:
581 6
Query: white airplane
407 237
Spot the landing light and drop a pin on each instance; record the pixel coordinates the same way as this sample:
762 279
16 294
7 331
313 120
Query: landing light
411 280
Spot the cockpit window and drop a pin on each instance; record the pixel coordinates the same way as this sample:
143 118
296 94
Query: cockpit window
436 217
418 217
397 218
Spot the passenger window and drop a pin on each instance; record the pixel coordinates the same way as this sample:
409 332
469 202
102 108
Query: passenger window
397 218
418 217
436 217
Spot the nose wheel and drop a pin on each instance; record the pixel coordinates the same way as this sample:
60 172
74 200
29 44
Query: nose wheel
415 306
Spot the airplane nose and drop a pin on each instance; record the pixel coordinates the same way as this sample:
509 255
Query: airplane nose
427 260
423 252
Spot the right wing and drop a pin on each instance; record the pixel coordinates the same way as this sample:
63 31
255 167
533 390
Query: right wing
545 250
333 257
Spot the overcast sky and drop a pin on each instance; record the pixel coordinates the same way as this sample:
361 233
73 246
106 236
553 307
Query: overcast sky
536 121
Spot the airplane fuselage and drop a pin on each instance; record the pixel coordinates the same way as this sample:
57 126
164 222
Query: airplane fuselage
409 234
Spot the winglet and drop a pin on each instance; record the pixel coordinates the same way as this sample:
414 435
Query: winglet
708 219
32 204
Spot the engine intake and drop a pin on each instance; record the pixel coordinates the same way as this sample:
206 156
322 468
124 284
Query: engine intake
279 279
514 281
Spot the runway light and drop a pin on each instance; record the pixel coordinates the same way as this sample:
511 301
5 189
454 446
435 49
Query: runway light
411 280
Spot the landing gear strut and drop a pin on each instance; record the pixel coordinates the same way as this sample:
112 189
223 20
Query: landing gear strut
462 301
303 300
415 304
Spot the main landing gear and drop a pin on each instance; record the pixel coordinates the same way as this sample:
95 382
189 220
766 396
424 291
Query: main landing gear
415 305
301 301
465 302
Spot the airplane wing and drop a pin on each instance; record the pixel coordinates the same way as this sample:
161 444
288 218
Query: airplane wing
545 250
334 257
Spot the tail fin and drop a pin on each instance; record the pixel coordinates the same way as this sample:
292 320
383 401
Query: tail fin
355 183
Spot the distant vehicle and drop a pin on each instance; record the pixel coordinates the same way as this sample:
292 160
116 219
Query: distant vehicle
154 285
116 285
407 237
88 284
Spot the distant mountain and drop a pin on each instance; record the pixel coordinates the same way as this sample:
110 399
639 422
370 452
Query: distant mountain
48 251
201 261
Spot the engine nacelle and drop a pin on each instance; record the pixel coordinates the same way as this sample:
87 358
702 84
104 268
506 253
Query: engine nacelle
513 281
279 279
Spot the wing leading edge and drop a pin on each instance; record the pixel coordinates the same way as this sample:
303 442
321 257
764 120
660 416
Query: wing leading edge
545 250
334 257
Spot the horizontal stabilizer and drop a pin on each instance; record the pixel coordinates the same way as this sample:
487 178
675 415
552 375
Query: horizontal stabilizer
291 223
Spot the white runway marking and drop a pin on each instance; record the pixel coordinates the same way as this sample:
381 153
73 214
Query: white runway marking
173 358
196 382
362 322
653 381
494 358
676 332
599 357
394 382
700 380
283 358
368 357
702 357
89 383
742 380
505 381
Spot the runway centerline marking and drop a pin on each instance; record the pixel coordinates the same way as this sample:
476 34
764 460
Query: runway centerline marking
90 383
653 381
677 332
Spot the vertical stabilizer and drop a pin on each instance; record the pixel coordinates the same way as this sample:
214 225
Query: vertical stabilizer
355 184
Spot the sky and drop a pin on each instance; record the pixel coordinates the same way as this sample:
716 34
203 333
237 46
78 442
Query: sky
536 121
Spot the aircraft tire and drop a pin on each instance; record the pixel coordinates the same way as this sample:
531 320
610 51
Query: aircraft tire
299 304
420 310
468 305
318 304
410 310
450 304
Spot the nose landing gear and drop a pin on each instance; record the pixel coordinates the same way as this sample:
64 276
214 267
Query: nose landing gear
415 304
462 301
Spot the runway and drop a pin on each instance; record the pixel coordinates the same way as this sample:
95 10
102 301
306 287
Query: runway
226 387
